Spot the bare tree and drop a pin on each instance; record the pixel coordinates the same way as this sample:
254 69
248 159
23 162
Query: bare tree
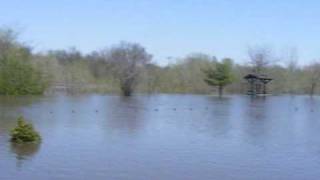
260 58
291 58
68 56
128 59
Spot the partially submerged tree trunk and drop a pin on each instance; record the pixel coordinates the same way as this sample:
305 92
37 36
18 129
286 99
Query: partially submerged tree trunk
127 87
314 72
220 91
126 92
313 88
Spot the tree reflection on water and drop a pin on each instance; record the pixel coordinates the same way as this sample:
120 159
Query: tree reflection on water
24 152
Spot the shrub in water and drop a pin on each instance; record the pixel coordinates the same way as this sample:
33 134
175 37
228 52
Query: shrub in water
24 133
18 74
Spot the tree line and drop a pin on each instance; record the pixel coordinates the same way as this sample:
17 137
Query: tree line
128 67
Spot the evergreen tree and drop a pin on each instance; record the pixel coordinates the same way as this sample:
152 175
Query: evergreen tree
220 75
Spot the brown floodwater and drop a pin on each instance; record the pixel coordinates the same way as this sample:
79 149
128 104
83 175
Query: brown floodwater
163 137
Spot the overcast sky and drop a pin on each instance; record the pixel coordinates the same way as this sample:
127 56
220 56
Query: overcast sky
168 28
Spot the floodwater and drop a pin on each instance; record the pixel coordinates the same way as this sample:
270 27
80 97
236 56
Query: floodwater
163 137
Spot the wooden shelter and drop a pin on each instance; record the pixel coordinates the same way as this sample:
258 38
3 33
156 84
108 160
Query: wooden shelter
257 84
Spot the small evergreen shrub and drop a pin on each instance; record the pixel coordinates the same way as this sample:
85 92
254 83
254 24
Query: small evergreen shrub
24 133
